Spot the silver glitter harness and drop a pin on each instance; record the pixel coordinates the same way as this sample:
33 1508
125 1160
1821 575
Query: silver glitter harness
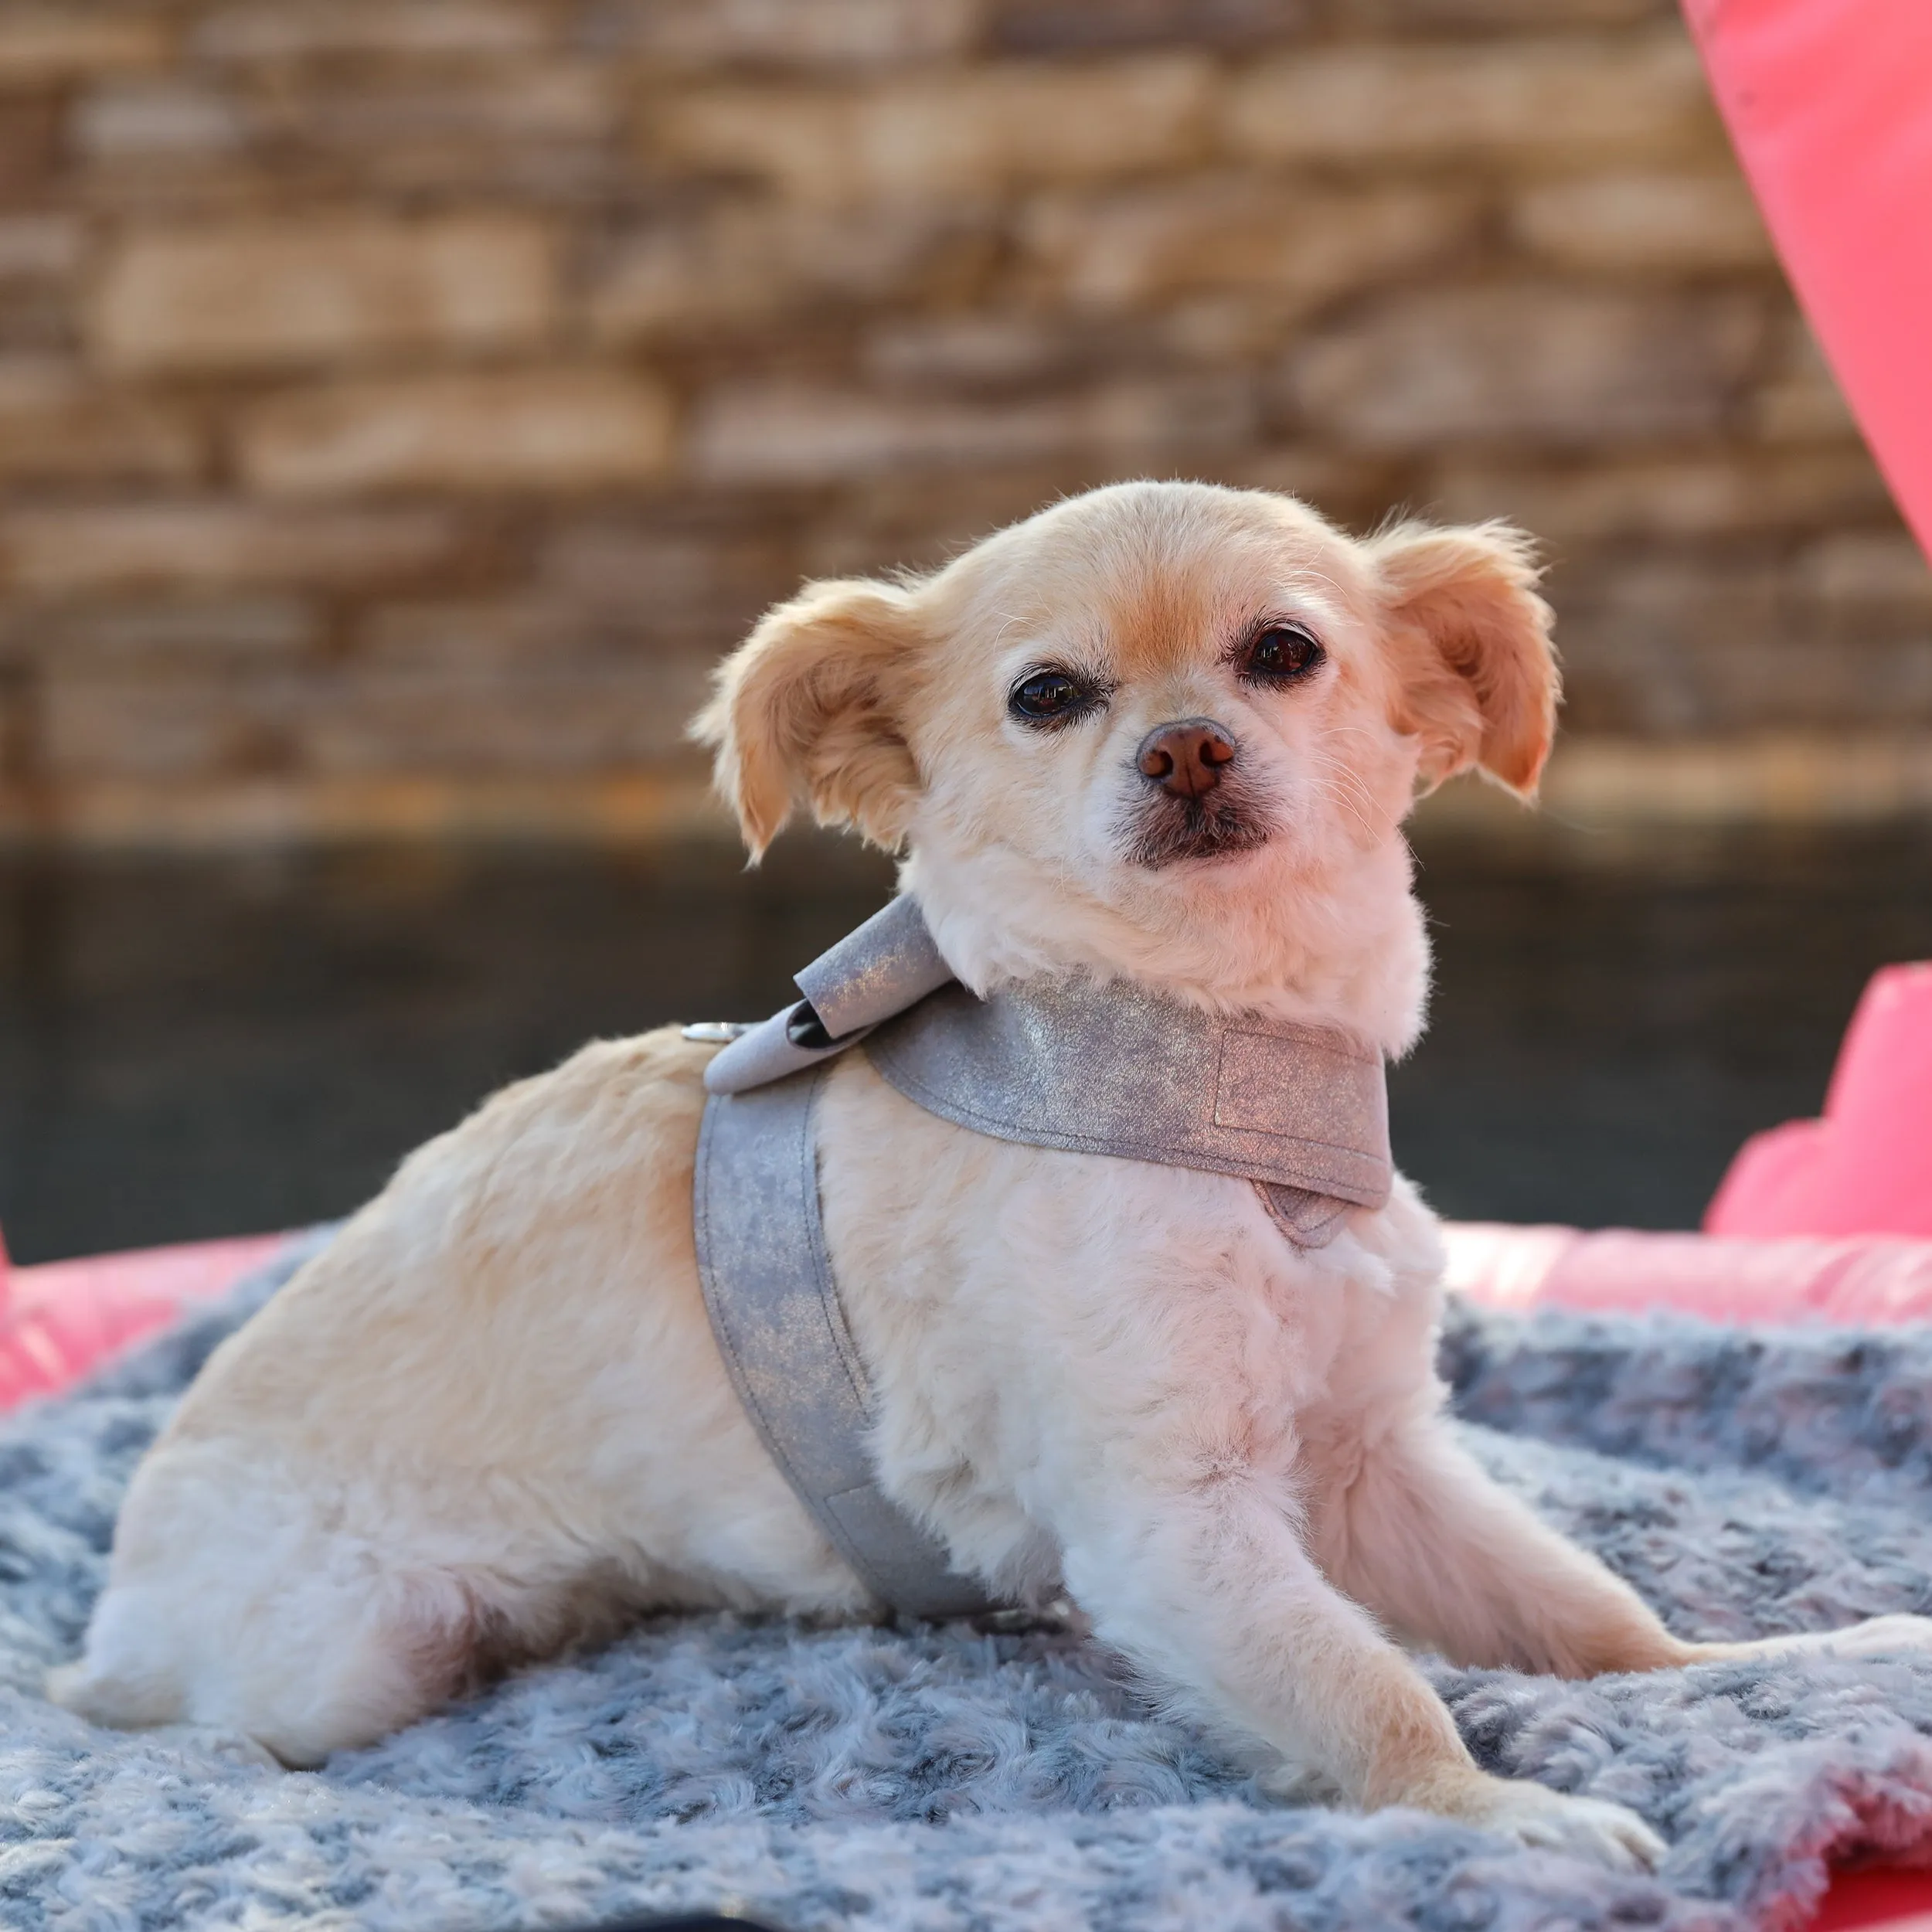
1300 1112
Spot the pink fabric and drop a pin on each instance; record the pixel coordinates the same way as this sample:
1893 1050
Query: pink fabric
1899 1901
1866 1167
59 1320
1855 1281
1829 103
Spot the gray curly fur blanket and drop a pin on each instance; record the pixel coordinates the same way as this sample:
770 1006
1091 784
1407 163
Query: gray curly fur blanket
941 1778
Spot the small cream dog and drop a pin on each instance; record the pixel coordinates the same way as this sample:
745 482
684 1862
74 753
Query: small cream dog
491 1417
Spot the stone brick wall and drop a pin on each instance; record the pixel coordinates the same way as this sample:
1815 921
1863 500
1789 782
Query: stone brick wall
403 401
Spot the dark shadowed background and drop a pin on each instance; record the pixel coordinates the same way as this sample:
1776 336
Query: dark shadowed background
197 1046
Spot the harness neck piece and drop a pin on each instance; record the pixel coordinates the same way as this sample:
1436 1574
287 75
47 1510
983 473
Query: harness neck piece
1092 1068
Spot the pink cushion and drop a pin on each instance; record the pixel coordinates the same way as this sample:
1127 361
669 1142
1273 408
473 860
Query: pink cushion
1866 1167
1853 1280
61 1319
1826 101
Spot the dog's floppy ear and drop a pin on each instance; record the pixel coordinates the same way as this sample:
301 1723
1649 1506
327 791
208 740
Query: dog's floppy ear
1477 677
804 711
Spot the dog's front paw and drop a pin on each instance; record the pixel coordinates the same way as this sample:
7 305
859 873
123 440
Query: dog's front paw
1880 1637
1590 1827
1894 1636
1898 1635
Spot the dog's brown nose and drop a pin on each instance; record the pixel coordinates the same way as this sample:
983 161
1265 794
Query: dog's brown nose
1185 758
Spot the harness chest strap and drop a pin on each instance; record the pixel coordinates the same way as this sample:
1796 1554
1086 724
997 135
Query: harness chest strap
1104 1069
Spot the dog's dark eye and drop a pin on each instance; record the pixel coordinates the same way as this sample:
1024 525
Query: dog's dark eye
1281 654
1046 697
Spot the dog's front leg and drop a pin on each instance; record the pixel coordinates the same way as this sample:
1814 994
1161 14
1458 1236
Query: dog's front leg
1453 1562
1452 1559
1211 1593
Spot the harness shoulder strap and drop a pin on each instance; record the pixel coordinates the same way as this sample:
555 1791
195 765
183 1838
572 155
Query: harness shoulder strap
774 1307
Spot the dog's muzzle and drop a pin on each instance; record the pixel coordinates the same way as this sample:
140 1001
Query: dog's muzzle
1196 801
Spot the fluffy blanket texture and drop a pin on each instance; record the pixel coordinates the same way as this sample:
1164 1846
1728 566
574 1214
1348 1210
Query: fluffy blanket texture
942 1778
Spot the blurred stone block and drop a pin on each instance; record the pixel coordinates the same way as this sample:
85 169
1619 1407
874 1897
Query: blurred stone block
40 258
540 429
215 542
568 718
19 738
706 34
29 147
1092 26
155 631
976 132
1612 499
745 264
1412 16
1684 642
56 427
1142 246
1800 401
496 634
1881 573
1528 362
146 119
656 648
768 432
492 109
1573 96
708 584
265 294
38 247
45 43
1702 222
980 353
306 29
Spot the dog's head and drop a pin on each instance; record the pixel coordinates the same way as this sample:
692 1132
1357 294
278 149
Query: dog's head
1162 729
